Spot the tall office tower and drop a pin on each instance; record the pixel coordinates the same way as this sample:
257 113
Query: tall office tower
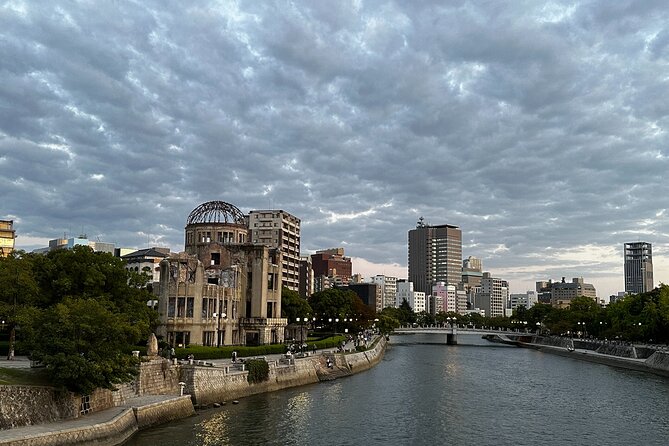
435 255
638 267
281 230
389 289
7 236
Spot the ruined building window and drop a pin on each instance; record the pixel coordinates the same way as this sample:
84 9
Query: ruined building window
171 305
270 281
215 258
220 236
181 307
190 302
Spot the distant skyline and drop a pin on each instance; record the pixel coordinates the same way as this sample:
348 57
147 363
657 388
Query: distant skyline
538 128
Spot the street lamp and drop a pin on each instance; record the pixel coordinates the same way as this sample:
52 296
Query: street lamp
218 317
301 321
538 327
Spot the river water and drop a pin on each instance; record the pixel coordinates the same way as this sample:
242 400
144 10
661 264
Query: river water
427 394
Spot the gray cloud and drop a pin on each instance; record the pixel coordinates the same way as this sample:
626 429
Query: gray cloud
538 127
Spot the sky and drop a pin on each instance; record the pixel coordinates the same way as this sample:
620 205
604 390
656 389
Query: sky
539 128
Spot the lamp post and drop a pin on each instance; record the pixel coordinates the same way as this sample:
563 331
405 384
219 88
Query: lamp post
301 321
538 328
218 317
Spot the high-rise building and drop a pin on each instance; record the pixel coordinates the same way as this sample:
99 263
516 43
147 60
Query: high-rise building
389 289
493 295
435 255
7 236
306 287
281 230
638 267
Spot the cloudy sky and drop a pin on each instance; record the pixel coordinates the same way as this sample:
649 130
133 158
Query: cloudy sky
539 128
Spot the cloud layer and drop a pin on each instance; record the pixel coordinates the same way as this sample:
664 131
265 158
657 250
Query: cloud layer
539 128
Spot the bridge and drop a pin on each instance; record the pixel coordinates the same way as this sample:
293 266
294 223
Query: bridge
451 332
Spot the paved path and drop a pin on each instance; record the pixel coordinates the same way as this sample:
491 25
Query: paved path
19 362
104 416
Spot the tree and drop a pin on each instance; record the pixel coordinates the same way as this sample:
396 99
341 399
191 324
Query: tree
406 313
293 306
386 323
83 343
18 291
79 313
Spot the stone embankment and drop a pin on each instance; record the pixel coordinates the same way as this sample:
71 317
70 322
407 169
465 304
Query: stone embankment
633 357
109 418
212 385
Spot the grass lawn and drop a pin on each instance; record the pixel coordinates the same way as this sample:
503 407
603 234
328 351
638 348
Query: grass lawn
23 377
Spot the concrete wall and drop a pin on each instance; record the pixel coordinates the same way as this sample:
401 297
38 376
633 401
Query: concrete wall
163 412
112 433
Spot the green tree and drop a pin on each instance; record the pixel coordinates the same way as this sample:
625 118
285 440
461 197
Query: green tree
79 312
406 313
18 292
424 318
83 343
293 306
387 323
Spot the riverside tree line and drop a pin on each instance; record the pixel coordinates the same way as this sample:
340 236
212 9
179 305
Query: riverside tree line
80 314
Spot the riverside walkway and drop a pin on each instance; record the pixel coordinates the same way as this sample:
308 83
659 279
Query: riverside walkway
102 427
79 428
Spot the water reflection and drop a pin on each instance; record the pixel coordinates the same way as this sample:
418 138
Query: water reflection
428 394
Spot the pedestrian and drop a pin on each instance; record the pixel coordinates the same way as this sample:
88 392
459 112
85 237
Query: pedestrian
234 356
314 348
172 353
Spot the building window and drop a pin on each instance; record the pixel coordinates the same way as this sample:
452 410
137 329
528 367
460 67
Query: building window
190 303
171 305
181 307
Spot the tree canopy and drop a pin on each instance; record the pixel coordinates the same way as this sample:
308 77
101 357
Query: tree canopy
294 306
78 313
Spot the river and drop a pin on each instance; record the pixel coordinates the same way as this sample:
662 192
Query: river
426 394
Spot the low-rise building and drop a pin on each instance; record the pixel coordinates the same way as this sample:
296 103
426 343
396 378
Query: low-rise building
7 237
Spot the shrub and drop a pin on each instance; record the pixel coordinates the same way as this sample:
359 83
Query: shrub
258 370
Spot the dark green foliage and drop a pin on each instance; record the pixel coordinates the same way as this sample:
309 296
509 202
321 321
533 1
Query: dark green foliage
338 303
293 306
258 370
81 343
202 352
79 314
386 322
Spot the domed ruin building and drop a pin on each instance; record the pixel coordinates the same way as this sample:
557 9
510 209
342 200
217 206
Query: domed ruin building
222 290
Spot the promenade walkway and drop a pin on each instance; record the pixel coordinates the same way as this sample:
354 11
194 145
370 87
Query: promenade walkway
94 420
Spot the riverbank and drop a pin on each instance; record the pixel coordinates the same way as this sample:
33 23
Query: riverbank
204 386
615 355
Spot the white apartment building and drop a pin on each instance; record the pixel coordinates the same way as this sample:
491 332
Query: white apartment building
406 291
279 229
388 288
527 299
